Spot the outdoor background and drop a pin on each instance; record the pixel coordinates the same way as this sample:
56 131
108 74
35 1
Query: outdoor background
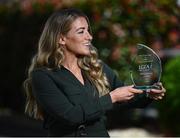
117 25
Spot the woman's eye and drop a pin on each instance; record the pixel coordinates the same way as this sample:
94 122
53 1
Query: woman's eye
81 32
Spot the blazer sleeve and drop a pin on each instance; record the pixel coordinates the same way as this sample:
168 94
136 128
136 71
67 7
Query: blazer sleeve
139 100
52 100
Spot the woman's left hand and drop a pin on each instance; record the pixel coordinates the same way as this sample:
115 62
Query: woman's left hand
157 94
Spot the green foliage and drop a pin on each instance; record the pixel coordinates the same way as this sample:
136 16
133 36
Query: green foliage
170 107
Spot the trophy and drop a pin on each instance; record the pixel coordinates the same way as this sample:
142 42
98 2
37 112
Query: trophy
146 69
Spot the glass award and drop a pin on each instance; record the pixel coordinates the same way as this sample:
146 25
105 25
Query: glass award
146 68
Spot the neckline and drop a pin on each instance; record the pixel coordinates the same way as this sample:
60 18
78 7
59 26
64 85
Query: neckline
75 78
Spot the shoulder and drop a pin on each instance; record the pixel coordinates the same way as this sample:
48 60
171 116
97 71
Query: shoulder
112 76
40 73
42 70
107 70
58 75
46 77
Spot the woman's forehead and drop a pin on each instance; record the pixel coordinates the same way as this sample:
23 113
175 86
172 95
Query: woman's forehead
79 23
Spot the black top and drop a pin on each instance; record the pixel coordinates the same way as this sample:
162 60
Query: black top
73 109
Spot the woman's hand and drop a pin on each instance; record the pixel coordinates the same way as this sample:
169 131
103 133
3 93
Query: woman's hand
157 94
124 93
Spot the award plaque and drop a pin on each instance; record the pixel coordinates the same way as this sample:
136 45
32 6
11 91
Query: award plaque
146 68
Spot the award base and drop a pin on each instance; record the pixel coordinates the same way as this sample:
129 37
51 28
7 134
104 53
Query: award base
145 88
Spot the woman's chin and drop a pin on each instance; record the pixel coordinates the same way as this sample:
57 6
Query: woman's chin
87 53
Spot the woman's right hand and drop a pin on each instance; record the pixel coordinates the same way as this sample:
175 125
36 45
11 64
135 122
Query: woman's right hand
124 93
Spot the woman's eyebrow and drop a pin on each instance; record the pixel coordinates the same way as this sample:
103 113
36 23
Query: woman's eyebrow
81 28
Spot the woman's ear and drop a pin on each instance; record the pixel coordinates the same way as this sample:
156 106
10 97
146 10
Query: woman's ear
62 40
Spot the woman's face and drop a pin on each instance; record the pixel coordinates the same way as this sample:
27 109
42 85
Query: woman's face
78 39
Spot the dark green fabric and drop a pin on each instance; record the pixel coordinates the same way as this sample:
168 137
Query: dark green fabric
67 103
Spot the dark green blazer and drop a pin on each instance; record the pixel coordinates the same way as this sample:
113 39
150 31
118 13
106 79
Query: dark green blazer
73 109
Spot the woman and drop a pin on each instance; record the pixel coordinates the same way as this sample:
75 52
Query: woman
69 87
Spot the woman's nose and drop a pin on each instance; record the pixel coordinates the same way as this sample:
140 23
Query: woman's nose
89 36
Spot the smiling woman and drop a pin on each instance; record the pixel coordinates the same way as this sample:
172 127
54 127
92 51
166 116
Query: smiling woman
78 39
68 87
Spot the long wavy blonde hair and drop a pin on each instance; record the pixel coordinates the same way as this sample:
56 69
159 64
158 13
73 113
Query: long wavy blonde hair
50 55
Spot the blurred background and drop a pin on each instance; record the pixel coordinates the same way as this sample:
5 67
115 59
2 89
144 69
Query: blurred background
117 25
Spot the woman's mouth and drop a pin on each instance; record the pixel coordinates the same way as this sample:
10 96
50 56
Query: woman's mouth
88 44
